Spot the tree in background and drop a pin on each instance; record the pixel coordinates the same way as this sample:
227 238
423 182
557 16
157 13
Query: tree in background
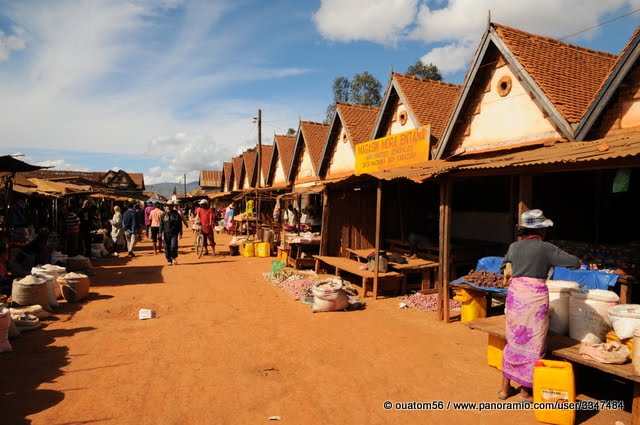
429 72
175 191
363 89
291 132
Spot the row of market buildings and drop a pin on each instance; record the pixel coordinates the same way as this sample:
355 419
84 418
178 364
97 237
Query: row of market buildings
536 123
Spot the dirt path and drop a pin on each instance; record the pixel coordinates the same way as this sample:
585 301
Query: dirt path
230 348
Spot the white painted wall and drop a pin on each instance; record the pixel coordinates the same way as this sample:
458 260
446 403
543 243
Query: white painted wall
305 170
279 178
515 117
396 126
342 159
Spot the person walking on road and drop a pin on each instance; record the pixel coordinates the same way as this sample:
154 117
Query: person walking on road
207 220
131 226
171 228
154 219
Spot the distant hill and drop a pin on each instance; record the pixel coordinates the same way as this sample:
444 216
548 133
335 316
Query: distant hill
166 189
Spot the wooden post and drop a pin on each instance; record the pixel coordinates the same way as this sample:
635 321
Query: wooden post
444 260
324 233
525 195
377 251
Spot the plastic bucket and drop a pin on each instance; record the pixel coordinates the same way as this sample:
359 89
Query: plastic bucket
249 250
474 304
264 249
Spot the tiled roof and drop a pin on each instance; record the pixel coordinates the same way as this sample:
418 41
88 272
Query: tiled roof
227 167
358 121
267 153
237 170
250 158
210 178
96 176
569 75
430 101
285 145
315 136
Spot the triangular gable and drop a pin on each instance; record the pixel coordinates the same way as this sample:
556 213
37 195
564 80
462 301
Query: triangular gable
411 102
250 159
309 146
351 125
555 80
267 156
624 65
227 177
560 80
283 156
238 175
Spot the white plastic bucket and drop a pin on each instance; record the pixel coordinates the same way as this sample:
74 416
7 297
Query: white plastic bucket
589 315
625 319
559 294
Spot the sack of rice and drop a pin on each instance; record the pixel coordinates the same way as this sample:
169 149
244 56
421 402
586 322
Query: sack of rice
328 295
49 282
74 286
5 322
30 290
54 271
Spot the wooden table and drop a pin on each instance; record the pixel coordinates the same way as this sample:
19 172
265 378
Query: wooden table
566 348
301 254
428 269
354 267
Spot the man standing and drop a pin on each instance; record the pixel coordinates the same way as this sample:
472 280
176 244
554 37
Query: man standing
154 219
207 220
171 228
147 218
130 225
72 224
86 224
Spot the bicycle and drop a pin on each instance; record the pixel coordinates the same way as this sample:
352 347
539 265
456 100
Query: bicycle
199 242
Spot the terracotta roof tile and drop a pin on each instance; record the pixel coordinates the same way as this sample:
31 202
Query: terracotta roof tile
227 167
315 137
210 178
237 170
569 75
267 154
250 159
285 145
430 101
358 120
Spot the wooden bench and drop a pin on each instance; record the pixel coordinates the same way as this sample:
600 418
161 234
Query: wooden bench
428 269
341 264
563 347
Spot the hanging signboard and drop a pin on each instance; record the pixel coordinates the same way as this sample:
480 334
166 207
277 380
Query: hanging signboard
397 150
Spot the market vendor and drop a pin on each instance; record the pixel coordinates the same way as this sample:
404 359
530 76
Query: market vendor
527 302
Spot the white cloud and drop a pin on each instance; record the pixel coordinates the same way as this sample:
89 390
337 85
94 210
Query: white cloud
457 25
56 164
11 43
382 21
451 57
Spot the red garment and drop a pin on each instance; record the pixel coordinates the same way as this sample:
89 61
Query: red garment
206 218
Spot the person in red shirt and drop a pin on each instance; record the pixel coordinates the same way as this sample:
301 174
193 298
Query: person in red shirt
207 218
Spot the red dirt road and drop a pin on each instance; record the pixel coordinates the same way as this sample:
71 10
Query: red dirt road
228 347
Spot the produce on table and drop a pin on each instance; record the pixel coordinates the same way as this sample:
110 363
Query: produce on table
429 302
485 278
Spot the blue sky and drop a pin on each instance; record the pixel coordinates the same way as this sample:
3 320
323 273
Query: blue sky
170 87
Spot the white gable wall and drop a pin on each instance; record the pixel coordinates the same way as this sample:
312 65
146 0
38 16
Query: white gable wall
514 117
396 122
279 178
305 170
342 160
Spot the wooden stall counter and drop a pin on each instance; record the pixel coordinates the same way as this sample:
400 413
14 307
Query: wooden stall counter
565 348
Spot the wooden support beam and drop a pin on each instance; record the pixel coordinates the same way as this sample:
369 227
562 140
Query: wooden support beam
445 254
525 194
324 230
377 259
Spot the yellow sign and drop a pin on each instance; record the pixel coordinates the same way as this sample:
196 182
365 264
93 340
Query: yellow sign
397 150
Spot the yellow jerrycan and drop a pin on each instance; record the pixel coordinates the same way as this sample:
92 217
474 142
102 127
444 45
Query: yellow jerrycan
553 382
